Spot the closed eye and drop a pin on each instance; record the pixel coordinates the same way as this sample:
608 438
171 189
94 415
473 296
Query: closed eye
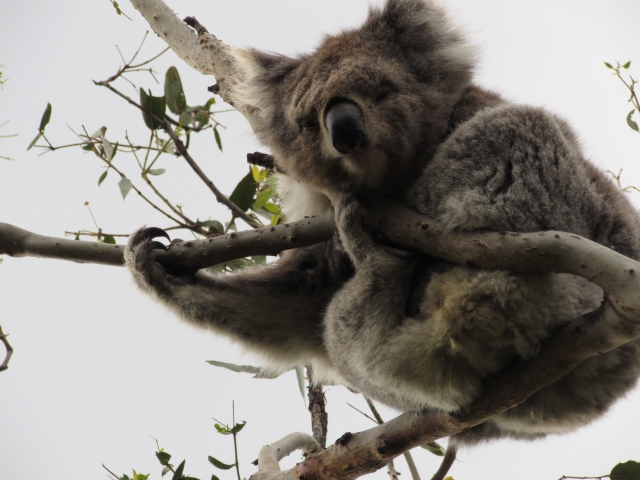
383 95
309 124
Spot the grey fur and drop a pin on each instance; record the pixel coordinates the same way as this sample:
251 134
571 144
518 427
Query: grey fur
413 333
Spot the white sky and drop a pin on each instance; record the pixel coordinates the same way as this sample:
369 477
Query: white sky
99 369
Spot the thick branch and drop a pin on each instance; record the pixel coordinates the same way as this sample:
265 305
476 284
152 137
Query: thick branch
202 51
195 254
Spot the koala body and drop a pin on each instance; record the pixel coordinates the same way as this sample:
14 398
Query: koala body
389 109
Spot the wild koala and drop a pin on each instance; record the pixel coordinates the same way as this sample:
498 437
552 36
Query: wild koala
390 109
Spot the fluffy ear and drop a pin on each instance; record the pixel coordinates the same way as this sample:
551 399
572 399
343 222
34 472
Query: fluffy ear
261 77
437 51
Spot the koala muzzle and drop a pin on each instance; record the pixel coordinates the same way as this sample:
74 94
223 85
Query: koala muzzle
346 127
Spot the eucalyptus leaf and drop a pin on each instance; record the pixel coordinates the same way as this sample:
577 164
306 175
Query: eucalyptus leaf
33 142
218 464
125 186
626 65
626 471
214 226
262 198
238 426
216 134
157 106
244 192
177 475
272 208
608 65
633 125
46 116
109 151
173 92
163 457
156 171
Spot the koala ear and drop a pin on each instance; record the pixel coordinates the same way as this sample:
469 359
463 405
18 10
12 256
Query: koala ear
436 50
258 90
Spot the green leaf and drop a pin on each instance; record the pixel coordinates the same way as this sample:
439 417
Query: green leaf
259 259
262 198
117 7
178 473
243 194
156 106
214 226
626 65
163 458
213 477
33 142
156 171
216 134
608 65
218 464
211 101
272 208
222 429
633 125
125 186
165 470
301 384
140 476
276 217
87 147
173 91
109 151
109 239
238 426
436 450
102 177
46 116
625 471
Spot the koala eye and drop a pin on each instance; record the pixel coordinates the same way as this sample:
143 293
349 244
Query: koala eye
309 124
384 95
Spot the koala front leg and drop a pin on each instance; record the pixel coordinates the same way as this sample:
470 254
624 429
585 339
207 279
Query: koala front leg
368 311
276 309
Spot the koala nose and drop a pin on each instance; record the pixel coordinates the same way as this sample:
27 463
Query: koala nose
346 127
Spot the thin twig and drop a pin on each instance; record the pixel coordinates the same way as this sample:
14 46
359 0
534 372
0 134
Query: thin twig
9 349
317 408
145 177
110 164
237 211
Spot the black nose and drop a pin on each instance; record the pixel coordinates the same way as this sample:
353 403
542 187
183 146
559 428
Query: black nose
346 127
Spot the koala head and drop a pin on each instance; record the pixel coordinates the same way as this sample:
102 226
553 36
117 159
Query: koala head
366 110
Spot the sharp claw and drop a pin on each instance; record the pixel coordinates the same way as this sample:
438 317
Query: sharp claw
155 232
157 245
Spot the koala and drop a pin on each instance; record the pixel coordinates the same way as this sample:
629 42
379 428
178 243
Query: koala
390 109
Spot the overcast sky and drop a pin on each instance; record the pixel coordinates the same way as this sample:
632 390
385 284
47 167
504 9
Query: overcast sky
99 369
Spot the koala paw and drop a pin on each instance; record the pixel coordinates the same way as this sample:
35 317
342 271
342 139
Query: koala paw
356 237
140 258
